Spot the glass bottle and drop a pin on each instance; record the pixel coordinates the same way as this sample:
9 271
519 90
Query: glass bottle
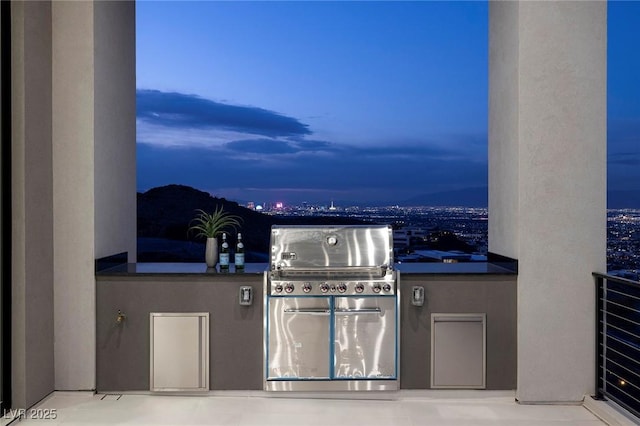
239 259
224 254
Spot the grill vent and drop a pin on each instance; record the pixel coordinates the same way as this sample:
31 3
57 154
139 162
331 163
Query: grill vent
346 273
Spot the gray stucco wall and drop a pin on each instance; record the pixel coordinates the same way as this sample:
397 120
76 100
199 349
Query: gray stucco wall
115 128
32 204
235 332
494 295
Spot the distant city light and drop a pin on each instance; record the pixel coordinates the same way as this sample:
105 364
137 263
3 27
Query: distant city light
278 205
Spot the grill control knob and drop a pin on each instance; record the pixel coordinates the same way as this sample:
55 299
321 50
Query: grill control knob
306 287
324 287
377 288
359 288
387 288
342 287
289 288
278 288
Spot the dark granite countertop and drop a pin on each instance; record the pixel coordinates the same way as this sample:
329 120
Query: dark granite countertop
135 269
463 268
200 269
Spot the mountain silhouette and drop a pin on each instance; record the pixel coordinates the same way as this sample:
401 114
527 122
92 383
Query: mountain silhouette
164 217
165 214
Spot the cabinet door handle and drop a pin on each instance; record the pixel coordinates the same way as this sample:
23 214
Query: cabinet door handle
310 311
358 311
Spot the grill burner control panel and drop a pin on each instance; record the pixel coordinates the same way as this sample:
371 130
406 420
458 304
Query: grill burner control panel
382 287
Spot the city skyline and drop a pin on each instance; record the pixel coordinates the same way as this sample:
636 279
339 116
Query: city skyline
319 101
160 219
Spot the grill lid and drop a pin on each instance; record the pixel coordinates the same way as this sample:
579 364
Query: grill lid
331 250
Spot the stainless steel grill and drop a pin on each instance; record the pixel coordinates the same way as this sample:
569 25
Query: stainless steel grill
331 309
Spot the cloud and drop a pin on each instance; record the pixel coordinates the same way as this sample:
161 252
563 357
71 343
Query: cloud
171 120
622 133
625 159
623 144
286 170
270 146
182 111
415 151
241 152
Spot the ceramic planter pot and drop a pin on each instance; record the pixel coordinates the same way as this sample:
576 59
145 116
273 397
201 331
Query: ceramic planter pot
211 252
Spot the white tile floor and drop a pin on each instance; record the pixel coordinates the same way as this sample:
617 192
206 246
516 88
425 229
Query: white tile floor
234 409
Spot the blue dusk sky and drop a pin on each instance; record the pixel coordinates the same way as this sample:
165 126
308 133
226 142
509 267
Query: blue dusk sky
361 102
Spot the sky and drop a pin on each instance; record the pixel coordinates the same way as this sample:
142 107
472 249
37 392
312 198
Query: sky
352 101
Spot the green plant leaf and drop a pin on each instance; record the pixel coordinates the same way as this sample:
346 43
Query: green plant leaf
210 225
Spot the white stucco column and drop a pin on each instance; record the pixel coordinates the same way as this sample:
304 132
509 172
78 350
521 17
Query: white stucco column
94 168
547 182
73 182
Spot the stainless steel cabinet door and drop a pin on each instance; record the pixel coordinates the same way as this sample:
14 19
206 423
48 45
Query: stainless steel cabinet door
458 350
179 357
298 338
365 338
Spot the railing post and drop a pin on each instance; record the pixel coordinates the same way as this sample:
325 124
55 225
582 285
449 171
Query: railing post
605 332
600 339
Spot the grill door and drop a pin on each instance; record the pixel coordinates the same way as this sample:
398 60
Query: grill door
298 338
365 338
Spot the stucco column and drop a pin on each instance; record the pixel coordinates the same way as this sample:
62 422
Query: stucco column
32 376
94 167
547 182
73 185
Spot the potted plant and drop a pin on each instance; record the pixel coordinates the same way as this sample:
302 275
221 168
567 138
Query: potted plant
209 226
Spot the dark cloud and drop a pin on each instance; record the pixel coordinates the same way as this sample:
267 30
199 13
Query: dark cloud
261 146
178 110
623 134
392 151
282 159
623 147
355 173
276 146
311 145
625 159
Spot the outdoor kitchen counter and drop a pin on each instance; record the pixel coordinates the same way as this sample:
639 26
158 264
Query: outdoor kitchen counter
236 332
200 269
